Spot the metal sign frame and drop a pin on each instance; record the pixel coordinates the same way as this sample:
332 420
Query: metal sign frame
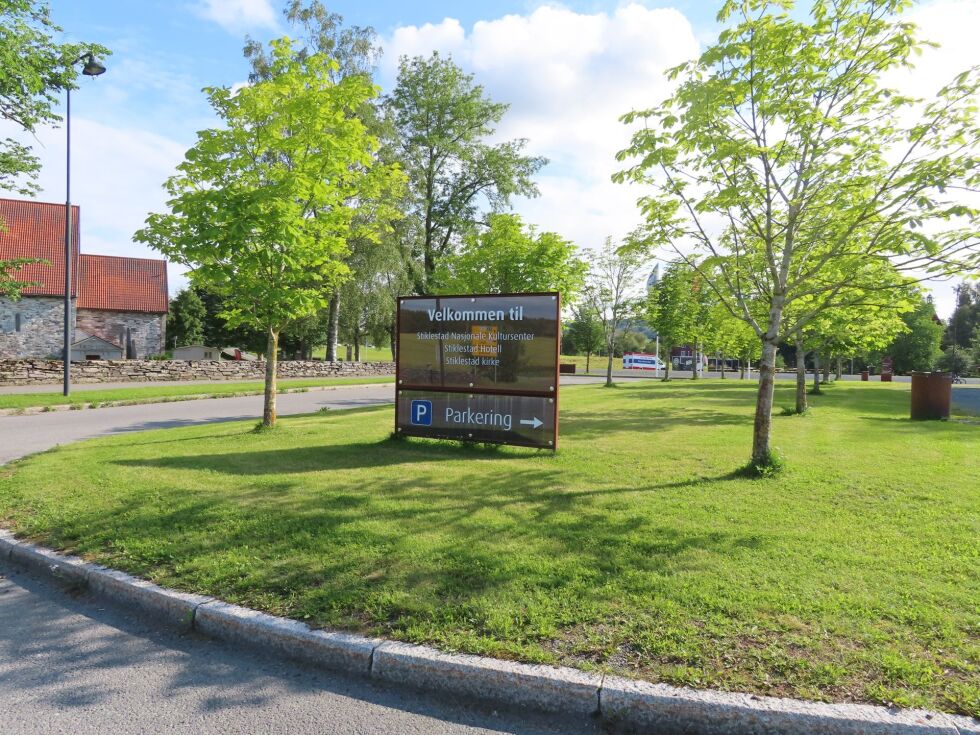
399 385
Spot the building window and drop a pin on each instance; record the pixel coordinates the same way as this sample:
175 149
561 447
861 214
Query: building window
17 322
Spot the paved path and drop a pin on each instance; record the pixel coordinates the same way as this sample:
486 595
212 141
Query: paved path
22 435
74 665
967 397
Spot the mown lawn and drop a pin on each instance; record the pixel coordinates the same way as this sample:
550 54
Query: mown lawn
597 364
854 576
368 354
156 393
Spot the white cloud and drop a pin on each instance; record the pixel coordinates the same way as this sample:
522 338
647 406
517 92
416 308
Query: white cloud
117 175
568 77
238 15
946 22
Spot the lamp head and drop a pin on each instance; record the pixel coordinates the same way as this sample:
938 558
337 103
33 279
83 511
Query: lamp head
92 66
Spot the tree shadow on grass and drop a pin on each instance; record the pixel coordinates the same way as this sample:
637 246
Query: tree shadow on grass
306 459
381 552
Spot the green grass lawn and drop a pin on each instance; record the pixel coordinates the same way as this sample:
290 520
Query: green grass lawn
596 365
636 549
368 354
155 393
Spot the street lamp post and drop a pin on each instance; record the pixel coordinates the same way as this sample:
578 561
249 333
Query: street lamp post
92 68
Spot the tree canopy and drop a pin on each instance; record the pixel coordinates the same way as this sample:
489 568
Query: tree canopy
508 257
261 209
782 166
443 122
34 69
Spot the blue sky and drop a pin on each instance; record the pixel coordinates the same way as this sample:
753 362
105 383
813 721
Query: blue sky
569 69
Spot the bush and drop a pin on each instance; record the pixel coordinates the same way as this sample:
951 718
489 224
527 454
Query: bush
955 360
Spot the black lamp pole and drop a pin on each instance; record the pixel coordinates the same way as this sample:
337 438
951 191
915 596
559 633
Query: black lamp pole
92 68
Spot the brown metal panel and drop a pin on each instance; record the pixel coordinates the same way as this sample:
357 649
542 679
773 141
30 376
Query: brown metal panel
931 395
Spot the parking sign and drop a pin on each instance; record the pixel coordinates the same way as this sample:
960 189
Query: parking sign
422 413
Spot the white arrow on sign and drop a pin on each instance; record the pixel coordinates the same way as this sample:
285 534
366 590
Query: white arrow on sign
533 423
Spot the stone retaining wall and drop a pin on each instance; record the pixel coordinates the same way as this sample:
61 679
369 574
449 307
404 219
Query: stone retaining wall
40 372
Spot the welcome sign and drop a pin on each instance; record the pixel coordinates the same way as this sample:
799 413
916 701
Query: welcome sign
468 367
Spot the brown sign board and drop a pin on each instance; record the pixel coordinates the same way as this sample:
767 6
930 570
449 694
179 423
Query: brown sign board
528 421
486 366
506 343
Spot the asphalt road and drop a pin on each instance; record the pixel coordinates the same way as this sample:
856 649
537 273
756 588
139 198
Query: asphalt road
21 435
72 664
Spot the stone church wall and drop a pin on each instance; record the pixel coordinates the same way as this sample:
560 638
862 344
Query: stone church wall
40 372
41 331
148 331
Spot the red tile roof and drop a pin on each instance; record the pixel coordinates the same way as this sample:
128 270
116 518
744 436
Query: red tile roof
37 230
123 284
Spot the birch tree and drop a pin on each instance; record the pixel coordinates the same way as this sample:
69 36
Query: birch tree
611 280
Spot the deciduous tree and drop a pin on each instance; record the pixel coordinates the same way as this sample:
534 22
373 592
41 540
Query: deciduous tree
34 70
784 159
667 310
918 348
444 123
10 286
508 257
608 292
261 208
185 323
583 334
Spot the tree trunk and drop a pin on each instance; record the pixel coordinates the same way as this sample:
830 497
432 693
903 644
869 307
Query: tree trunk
762 428
588 358
800 378
609 363
695 363
816 372
271 363
333 327
840 367
350 353
667 367
357 347
721 364
393 334
741 370
826 371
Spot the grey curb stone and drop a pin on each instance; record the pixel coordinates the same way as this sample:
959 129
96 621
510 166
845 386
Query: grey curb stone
7 543
291 638
68 570
965 725
660 708
174 609
546 688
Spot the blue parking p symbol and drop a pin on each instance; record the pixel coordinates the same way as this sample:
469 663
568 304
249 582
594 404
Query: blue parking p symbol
422 413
